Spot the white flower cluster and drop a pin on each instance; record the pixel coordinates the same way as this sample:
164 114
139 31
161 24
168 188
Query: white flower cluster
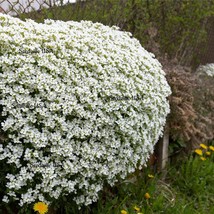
208 69
66 133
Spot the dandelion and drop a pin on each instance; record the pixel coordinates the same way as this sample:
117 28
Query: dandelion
198 151
136 208
147 196
41 207
203 146
123 212
211 148
151 176
203 158
208 153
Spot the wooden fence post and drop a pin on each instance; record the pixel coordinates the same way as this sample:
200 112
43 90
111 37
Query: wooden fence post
162 149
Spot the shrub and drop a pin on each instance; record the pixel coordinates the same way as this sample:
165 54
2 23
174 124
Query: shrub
83 105
191 103
183 116
204 100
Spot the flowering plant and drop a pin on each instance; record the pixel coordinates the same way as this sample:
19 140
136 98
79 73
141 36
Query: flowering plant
208 69
68 133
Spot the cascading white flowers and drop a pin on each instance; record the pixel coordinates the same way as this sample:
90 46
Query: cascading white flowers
83 104
207 69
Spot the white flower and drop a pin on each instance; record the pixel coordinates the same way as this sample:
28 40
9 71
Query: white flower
208 69
86 112
5 199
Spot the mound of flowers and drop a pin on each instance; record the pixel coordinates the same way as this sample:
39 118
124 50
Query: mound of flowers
83 104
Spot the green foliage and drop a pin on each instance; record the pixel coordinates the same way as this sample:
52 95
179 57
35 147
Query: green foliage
194 181
188 188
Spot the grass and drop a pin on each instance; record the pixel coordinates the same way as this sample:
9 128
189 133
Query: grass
188 188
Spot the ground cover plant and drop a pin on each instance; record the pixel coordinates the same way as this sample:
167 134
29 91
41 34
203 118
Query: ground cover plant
82 105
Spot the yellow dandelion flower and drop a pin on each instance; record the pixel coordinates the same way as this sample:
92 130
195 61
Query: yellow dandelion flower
147 196
203 146
151 176
41 207
123 212
139 213
211 148
208 153
198 151
203 158
136 208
